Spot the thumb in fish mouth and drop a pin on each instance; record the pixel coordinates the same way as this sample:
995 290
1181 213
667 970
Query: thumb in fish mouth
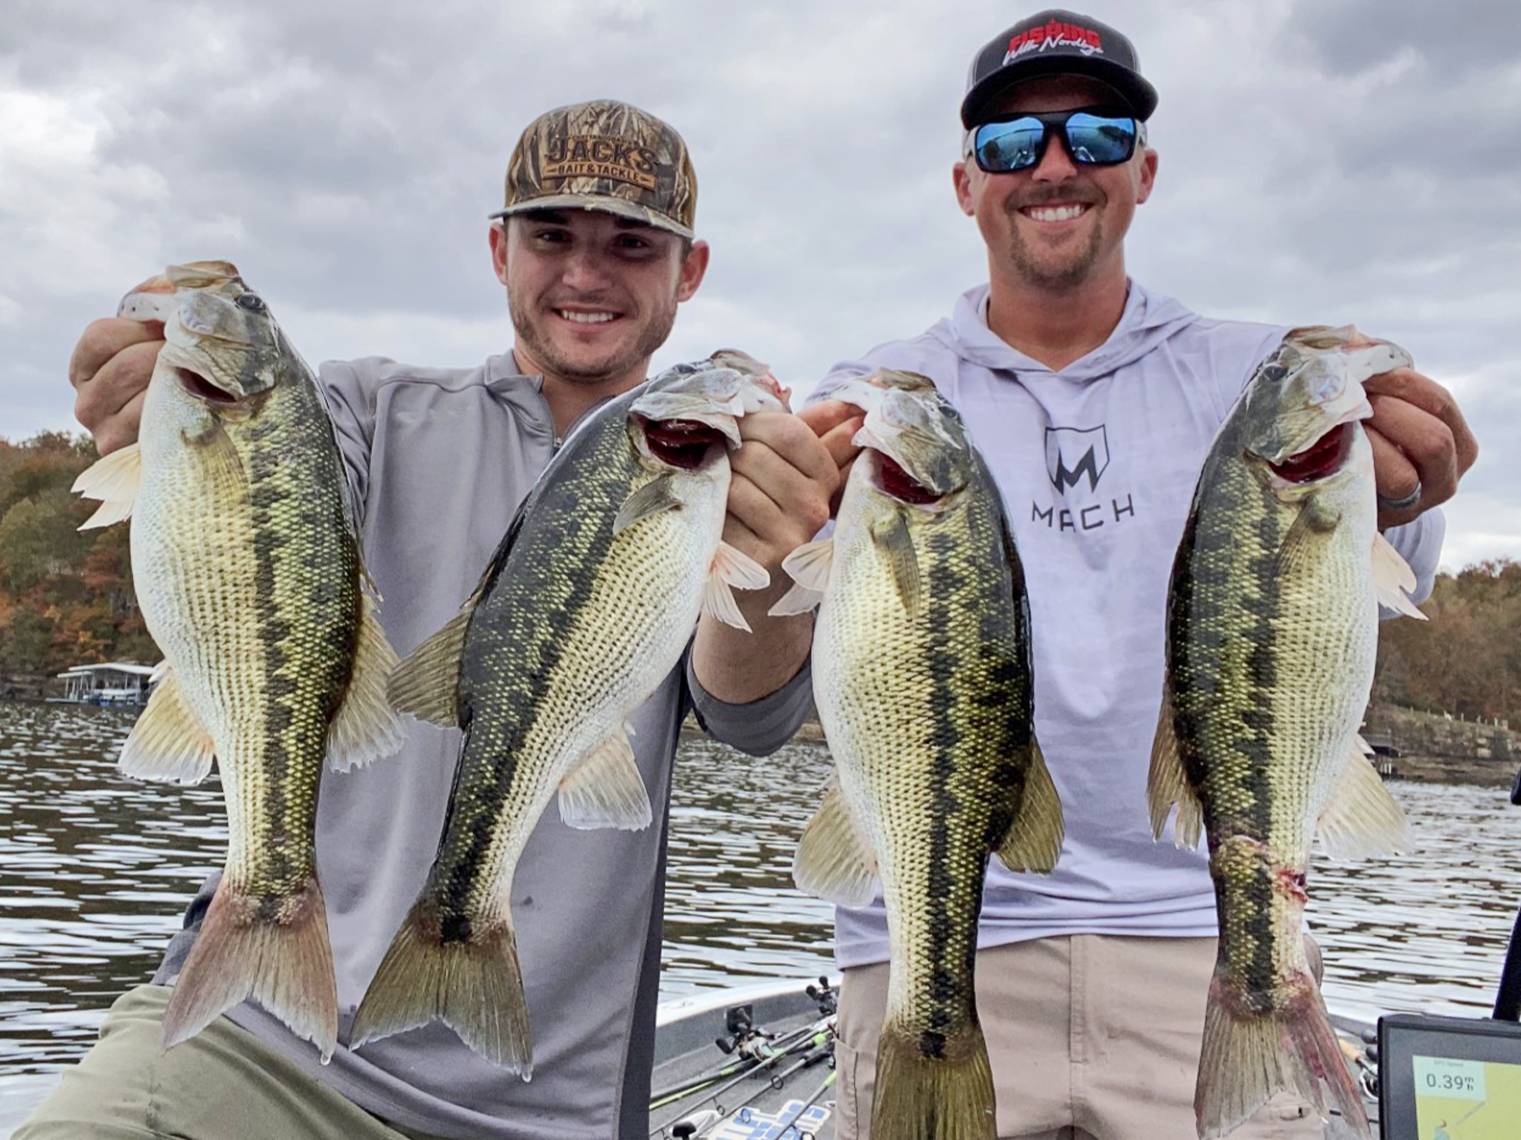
158 283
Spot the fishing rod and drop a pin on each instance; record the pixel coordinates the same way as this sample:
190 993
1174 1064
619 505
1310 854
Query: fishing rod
751 1059
741 1111
809 1103
1508 999
818 1036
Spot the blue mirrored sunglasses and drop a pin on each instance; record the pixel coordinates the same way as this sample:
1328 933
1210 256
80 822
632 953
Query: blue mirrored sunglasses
1093 138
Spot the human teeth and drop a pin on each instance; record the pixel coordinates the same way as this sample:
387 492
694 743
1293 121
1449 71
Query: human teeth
586 318
1056 213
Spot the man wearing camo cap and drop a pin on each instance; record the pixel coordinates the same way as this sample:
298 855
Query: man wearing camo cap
595 246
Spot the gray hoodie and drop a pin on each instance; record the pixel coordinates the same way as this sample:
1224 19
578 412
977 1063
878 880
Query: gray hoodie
1097 465
439 459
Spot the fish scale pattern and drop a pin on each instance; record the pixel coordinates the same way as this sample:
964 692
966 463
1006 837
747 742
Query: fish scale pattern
927 702
1269 674
246 564
1272 634
574 629
250 585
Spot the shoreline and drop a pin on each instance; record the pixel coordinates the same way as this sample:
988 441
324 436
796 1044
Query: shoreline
1414 768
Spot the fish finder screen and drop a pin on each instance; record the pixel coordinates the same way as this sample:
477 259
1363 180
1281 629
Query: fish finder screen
1466 1100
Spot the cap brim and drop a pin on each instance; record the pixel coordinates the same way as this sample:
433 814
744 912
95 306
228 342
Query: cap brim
608 205
1138 94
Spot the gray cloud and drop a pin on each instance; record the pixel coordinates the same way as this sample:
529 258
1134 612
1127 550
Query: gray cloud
1317 163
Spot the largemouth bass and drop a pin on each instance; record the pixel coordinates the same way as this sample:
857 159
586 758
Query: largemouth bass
1271 637
922 678
584 609
246 561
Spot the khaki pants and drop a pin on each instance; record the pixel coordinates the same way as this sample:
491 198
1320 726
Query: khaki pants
1092 1037
222 1084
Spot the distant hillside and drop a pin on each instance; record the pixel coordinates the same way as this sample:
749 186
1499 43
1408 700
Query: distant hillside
65 596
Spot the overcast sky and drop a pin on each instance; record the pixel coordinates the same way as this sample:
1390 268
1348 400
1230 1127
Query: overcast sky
1321 161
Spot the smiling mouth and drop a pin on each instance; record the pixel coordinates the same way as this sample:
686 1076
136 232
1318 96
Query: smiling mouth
576 317
1065 212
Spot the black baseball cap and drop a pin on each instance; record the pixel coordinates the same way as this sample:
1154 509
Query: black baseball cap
1056 42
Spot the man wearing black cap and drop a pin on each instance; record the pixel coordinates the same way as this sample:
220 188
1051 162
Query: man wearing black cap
595 247
1094 401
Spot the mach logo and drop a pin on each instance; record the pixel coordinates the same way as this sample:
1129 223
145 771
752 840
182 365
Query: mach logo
1072 453
1075 456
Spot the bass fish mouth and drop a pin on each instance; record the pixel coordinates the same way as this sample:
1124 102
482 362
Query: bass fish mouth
202 388
1322 458
681 443
899 484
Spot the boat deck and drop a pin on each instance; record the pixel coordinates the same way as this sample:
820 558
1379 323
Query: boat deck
778 1082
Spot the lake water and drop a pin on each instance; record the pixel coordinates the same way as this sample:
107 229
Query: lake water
94 873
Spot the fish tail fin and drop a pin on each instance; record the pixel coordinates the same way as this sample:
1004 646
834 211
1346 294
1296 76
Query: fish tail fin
1248 1056
284 962
948 1097
474 986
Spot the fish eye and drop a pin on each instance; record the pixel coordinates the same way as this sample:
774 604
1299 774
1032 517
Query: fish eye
1274 373
251 301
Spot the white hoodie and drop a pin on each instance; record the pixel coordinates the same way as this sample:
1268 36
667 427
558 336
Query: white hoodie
1097 465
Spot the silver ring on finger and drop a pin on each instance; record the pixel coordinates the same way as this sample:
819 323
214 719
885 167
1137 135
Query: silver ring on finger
1404 502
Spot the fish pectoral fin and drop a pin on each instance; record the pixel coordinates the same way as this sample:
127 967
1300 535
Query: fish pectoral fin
738 569
168 744
832 862
897 546
366 727
732 569
1304 541
1393 579
808 566
426 684
115 480
1034 839
219 467
1167 784
605 789
654 497
1361 818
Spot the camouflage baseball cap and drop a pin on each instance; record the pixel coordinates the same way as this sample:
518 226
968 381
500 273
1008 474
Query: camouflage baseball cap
604 155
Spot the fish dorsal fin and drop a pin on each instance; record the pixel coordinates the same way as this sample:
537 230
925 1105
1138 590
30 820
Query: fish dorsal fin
168 744
1167 784
1393 579
654 497
115 480
808 566
732 570
1361 818
893 539
605 789
366 727
426 684
832 862
1034 839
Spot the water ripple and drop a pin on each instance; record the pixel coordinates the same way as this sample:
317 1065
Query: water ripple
95 871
